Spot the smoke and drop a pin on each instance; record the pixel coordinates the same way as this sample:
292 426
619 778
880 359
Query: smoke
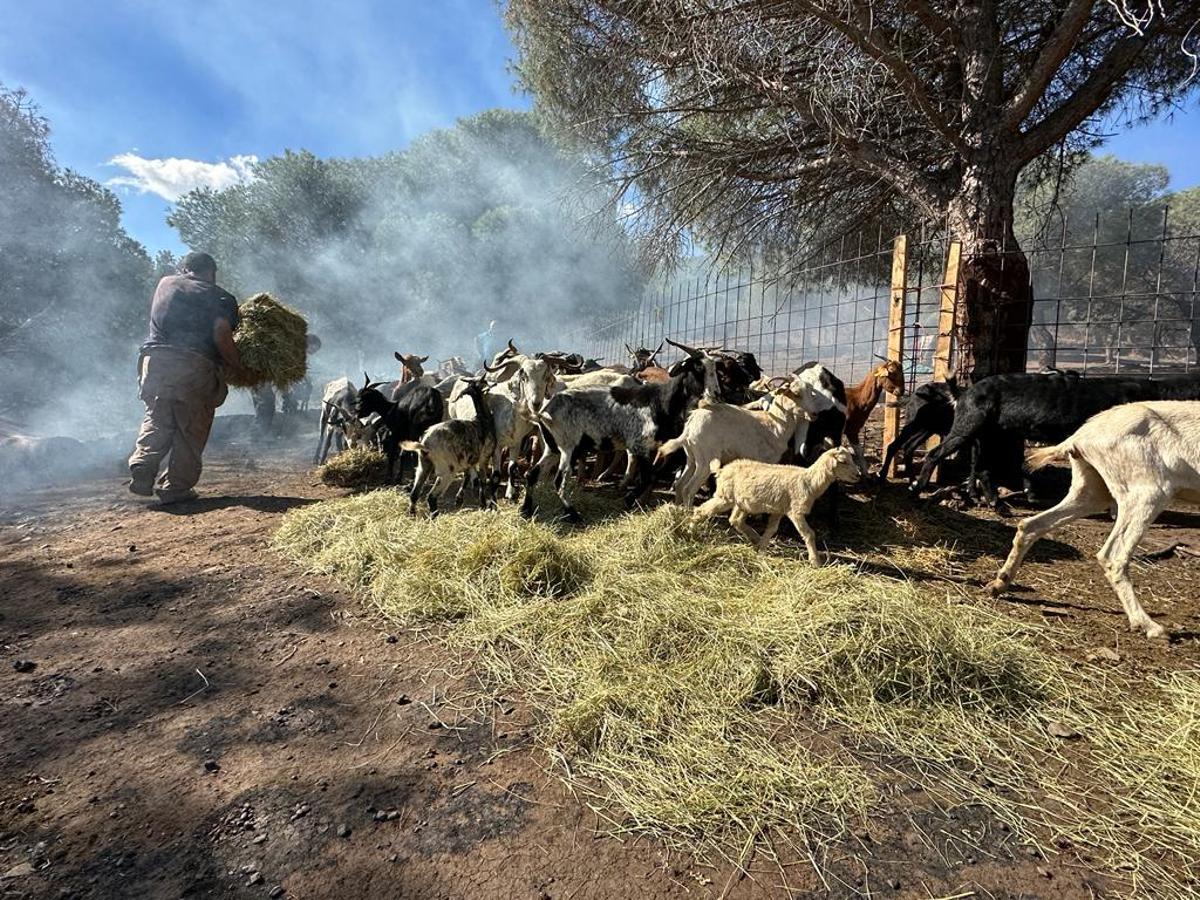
419 250
414 251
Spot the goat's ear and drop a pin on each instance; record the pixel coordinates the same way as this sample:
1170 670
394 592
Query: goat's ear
952 383
422 358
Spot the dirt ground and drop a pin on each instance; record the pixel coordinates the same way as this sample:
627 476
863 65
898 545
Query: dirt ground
203 719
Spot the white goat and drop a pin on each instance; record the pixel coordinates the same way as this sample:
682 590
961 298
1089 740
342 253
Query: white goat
1143 456
747 487
599 378
721 433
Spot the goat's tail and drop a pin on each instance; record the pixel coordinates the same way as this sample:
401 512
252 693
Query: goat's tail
666 448
414 447
1044 456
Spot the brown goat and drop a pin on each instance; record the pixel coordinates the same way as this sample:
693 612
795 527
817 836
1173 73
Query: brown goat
861 400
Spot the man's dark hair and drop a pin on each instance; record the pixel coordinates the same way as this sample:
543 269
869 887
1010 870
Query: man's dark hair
198 263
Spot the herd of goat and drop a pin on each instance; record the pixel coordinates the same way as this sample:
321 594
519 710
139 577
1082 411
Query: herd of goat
775 445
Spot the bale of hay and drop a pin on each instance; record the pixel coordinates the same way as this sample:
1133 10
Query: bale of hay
272 341
354 468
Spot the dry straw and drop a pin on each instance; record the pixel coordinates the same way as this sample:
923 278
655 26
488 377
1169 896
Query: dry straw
355 468
272 342
716 697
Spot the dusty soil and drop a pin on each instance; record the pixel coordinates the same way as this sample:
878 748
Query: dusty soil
204 719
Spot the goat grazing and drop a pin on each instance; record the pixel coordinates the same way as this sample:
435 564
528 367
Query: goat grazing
340 425
1142 456
456 447
929 411
749 487
637 418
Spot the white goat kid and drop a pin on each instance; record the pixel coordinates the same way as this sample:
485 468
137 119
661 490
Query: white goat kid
747 488
1143 456
721 433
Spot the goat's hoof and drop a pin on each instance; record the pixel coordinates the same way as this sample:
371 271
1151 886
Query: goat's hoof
997 587
572 517
526 512
1154 631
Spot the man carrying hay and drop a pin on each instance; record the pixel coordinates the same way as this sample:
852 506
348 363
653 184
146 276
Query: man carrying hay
191 332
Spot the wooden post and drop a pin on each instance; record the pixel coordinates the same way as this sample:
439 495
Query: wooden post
895 341
946 316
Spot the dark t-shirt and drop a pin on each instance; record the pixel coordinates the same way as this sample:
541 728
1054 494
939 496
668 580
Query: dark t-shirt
184 311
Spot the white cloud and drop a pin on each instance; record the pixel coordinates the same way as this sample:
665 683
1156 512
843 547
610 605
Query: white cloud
171 178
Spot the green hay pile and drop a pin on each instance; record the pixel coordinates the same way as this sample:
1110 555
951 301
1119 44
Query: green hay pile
712 696
354 468
272 342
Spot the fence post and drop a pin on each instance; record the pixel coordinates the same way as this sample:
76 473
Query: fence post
895 341
944 349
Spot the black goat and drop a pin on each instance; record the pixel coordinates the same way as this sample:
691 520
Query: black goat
736 371
929 411
1044 408
414 407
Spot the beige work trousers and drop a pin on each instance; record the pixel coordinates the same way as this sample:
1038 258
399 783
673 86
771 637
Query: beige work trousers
182 391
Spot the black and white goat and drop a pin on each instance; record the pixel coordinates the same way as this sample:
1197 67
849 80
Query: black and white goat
414 408
638 418
456 447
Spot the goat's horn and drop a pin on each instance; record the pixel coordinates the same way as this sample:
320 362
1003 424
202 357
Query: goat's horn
690 351
884 358
630 349
512 346
657 350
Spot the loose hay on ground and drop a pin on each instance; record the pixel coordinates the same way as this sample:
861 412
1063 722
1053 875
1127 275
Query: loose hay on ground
272 343
358 467
694 684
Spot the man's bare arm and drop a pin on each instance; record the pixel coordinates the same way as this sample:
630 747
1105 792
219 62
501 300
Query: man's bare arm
223 336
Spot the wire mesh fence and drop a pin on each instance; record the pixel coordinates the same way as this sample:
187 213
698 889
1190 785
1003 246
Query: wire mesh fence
1115 294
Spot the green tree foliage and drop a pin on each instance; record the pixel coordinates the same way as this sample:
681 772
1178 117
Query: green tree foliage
418 250
1113 248
773 124
73 285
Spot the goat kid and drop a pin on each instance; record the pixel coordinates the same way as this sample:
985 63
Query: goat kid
456 447
749 487
721 433
1143 456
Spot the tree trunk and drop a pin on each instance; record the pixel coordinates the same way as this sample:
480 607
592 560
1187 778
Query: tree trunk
995 307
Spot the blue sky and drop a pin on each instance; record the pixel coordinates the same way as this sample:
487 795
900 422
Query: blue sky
185 93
